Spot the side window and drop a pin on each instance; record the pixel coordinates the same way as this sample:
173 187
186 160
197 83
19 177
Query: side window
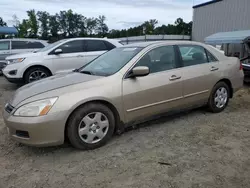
72 47
4 45
95 45
211 57
109 45
32 45
159 59
193 55
17 45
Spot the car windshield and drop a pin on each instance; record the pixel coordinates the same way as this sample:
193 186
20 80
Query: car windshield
50 46
110 62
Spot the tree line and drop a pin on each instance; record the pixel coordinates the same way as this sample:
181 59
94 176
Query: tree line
68 24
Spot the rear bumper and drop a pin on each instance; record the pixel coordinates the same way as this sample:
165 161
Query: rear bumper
246 69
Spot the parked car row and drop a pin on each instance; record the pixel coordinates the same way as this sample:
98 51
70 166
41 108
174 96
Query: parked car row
15 46
105 94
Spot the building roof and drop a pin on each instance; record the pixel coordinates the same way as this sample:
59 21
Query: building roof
228 37
207 3
8 30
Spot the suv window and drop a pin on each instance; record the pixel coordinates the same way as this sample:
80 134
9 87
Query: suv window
72 47
159 59
109 45
35 45
5 45
26 45
193 55
95 45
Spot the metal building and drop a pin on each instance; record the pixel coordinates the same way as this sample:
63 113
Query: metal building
220 16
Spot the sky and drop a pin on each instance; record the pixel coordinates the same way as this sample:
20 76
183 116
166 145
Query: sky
119 13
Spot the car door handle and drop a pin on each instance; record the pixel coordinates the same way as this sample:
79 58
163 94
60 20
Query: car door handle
214 69
80 56
174 77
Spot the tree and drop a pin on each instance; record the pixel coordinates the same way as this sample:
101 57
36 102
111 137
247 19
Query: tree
91 24
24 29
33 23
44 17
54 27
102 28
2 23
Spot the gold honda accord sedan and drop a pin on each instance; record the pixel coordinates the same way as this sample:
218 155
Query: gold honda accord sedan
125 85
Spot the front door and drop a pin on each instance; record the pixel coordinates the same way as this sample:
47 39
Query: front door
157 92
72 57
200 70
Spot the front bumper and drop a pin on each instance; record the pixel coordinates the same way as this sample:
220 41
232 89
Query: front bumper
14 80
40 131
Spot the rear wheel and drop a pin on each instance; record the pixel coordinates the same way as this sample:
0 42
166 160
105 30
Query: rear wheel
219 97
36 73
91 126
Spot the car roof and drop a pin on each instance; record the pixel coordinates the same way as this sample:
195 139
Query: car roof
167 42
89 38
24 39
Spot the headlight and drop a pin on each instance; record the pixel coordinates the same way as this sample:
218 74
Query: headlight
19 60
37 108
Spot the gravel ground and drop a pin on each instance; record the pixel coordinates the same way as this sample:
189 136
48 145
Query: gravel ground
196 149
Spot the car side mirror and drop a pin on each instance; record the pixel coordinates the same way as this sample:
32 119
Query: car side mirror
139 71
58 51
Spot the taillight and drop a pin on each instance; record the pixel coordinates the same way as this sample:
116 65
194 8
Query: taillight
241 67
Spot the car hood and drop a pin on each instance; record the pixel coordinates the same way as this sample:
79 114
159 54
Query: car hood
49 84
25 55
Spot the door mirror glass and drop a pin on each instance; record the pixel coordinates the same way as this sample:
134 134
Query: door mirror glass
140 71
58 51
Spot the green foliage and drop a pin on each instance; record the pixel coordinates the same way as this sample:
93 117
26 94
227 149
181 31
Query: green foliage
33 24
44 17
66 24
2 23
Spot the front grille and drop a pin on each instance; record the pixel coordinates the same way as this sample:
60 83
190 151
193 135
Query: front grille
8 108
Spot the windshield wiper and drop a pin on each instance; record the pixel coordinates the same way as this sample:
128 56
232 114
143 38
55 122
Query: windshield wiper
87 72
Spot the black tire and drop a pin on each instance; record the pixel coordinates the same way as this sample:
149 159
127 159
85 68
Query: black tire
211 102
33 69
76 118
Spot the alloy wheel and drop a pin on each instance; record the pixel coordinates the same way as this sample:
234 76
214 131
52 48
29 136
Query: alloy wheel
37 75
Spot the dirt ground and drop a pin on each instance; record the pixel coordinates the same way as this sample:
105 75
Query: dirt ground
197 149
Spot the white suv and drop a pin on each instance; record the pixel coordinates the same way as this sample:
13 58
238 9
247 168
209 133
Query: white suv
61 56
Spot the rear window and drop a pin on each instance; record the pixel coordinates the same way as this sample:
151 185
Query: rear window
95 45
26 45
5 45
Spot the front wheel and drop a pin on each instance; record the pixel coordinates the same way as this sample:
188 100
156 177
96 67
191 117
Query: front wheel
36 73
219 97
91 126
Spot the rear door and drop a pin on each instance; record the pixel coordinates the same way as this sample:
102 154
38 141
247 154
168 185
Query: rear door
4 50
200 72
72 56
94 48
